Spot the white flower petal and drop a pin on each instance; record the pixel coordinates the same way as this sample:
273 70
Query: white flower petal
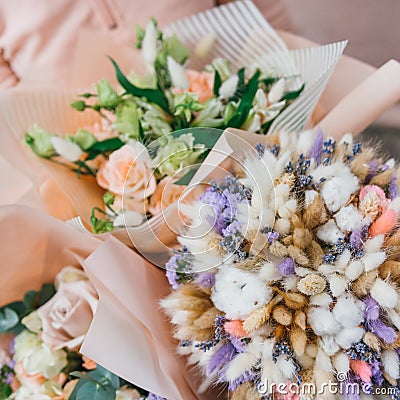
70 151
178 74
277 90
128 218
149 44
228 88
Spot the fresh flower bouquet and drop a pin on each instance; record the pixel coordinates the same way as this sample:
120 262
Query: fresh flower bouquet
287 281
45 361
133 152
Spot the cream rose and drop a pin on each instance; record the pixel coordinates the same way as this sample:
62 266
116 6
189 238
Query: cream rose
127 172
165 194
66 317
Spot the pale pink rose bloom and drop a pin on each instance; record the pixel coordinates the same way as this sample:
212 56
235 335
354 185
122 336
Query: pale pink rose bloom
201 83
126 173
66 317
165 194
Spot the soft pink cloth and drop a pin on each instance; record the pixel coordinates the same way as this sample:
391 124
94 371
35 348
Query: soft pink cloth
38 38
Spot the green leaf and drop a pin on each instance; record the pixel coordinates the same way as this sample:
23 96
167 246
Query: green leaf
269 81
206 136
93 391
104 146
293 95
217 82
79 105
108 199
152 95
185 180
176 49
30 298
47 291
246 102
8 319
104 376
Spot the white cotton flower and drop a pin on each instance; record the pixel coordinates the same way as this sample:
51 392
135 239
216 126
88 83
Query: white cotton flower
269 272
309 197
177 73
149 44
277 91
322 321
66 149
329 232
384 294
348 311
348 219
322 299
329 345
228 88
238 293
348 336
337 284
128 218
390 362
341 362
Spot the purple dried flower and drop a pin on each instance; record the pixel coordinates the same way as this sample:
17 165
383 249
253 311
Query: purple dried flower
286 267
272 236
393 189
245 377
221 357
373 169
316 148
239 345
384 332
356 239
377 374
206 280
153 396
372 309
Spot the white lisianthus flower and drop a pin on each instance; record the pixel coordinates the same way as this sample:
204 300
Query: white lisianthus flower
277 91
66 149
126 393
177 73
25 342
128 218
33 322
44 361
149 44
228 88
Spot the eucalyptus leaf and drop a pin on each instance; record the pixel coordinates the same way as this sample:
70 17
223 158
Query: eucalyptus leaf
152 95
8 319
185 180
46 293
93 391
30 298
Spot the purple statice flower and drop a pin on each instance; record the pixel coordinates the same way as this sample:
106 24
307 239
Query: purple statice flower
153 396
239 345
372 309
377 375
347 388
356 239
272 236
221 356
232 237
177 268
245 377
373 169
384 332
286 267
206 280
393 189
316 147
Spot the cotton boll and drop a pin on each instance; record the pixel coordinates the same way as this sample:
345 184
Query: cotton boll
305 141
322 299
348 336
341 362
330 233
374 245
349 219
239 365
323 361
309 196
322 321
328 344
384 294
290 283
338 284
348 311
390 362
282 226
354 270
269 272
337 191
373 260
238 293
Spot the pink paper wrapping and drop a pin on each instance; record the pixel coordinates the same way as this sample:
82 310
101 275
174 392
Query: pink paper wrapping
129 335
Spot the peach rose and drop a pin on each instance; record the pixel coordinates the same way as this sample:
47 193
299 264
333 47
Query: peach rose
165 194
128 203
127 172
201 83
67 315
